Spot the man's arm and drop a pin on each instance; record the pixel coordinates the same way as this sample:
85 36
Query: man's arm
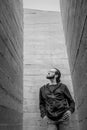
42 104
69 99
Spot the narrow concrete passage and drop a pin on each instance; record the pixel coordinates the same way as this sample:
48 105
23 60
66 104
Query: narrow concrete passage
44 48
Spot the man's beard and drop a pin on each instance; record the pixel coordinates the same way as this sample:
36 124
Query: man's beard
50 77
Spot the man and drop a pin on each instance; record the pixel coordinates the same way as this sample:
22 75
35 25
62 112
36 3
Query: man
55 102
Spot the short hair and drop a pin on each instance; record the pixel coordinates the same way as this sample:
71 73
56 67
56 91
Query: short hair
59 75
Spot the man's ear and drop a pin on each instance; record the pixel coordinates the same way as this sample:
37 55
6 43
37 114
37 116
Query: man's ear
56 76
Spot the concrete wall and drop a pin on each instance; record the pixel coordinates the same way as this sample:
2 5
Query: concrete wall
44 48
74 14
11 64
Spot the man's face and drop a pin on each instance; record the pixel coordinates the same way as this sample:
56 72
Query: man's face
51 74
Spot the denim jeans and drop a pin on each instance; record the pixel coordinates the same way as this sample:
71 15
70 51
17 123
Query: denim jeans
58 125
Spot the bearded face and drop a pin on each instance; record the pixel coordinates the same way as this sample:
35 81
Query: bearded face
51 74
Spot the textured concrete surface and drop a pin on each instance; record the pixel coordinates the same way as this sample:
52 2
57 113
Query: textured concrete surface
11 64
44 48
74 14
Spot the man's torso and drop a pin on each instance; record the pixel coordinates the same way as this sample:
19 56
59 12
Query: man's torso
56 103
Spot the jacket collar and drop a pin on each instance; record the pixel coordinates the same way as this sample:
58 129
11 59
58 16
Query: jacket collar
55 86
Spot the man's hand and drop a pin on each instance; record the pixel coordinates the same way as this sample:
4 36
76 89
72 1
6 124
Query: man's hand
45 118
67 115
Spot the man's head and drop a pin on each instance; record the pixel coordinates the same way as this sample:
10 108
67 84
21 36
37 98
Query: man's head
54 74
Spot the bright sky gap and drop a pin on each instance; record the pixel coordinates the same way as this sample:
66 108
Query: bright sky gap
49 5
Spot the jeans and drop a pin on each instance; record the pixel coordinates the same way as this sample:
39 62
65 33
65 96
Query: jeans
58 125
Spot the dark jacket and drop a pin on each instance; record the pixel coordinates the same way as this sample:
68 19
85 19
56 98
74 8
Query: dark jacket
55 100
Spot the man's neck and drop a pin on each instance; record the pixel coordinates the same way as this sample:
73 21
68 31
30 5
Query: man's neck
53 82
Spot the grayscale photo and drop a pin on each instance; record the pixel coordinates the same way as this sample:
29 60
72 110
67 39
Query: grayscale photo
43 61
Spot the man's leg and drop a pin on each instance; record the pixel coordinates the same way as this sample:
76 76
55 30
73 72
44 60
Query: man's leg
65 125
51 125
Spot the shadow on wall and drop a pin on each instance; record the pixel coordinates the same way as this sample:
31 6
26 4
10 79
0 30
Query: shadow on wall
11 65
74 15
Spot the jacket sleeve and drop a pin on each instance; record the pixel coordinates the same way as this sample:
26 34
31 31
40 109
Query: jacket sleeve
70 100
42 104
